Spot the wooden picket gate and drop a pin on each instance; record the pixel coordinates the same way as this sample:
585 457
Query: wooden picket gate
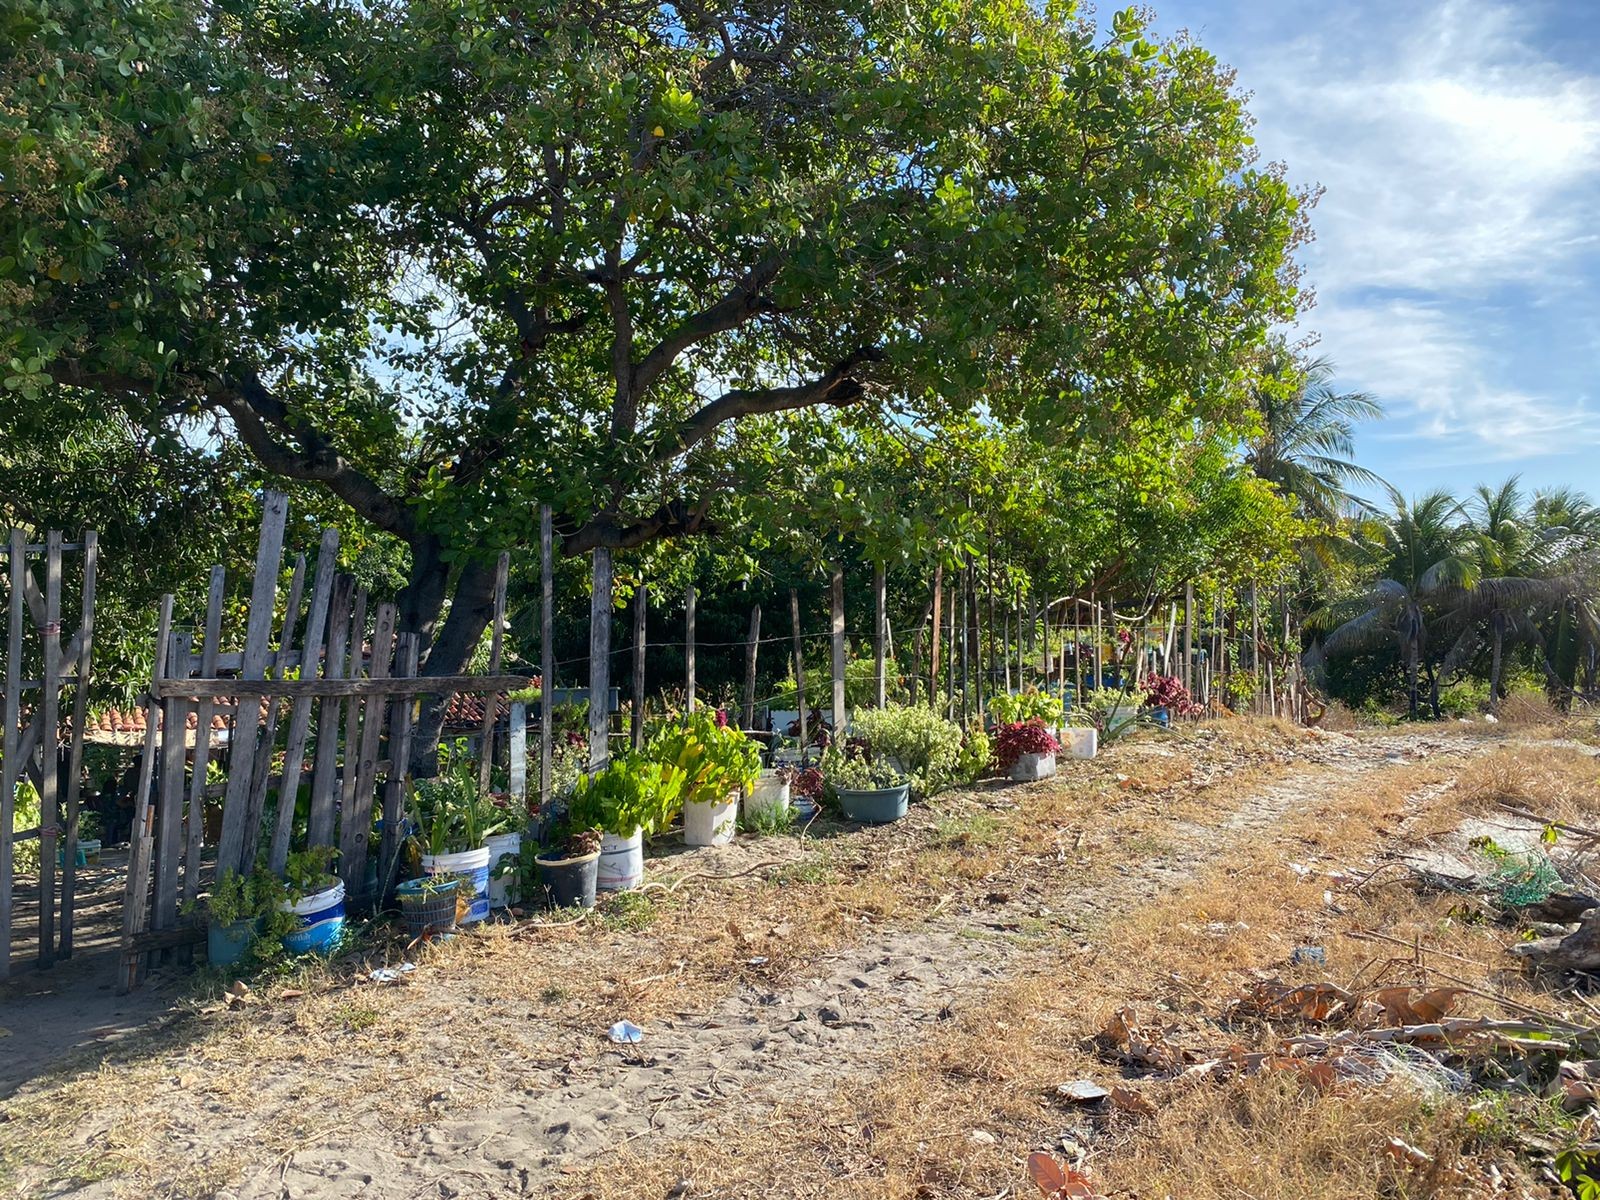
329 703
34 751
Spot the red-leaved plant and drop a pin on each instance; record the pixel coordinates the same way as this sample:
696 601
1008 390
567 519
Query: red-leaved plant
808 783
1011 742
1168 692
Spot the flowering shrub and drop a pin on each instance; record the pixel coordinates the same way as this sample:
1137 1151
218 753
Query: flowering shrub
1168 692
1012 741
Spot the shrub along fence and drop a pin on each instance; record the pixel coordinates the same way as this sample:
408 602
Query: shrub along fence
323 726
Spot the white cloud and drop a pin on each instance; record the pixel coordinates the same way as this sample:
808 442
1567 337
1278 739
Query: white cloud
1458 230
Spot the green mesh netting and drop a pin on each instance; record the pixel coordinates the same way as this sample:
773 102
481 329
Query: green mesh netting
1523 879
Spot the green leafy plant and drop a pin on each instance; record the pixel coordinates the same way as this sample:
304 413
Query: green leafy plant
854 769
309 871
1027 705
25 855
633 791
715 758
976 753
922 745
450 815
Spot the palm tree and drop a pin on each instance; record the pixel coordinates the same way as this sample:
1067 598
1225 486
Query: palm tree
1307 436
1424 557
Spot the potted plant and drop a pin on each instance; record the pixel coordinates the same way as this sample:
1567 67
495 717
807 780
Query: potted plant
806 792
1027 705
569 869
453 822
718 762
314 896
241 909
631 796
1026 750
768 799
917 742
868 789
1166 697
432 903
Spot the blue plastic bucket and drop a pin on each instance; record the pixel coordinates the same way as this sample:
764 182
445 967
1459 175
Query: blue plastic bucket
474 865
321 921
226 944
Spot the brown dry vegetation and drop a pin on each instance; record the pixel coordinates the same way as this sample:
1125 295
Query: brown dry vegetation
1190 839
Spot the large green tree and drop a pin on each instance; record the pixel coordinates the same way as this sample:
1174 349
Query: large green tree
451 260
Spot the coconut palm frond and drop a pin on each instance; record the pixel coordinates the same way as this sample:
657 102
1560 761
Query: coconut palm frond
1371 629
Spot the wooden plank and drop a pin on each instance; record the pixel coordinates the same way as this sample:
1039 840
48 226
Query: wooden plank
83 648
195 817
599 658
319 826
752 648
169 803
836 596
641 634
257 653
933 651
517 751
135 901
341 688
269 733
10 761
496 641
49 722
688 647
354 711
880 636
356 821
394 786
799 664
547 649
300 715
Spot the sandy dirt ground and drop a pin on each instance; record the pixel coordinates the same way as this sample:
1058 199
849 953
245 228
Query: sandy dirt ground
774 970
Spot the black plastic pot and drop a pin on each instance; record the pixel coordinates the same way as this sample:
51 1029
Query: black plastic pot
569 882
425 911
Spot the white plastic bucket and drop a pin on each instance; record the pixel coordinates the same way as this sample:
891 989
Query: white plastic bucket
321 918
474 865
710 822
770 795
1079 741
503 892
621 862
1031 767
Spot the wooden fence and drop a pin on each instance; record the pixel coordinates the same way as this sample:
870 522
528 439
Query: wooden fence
324 691
35 750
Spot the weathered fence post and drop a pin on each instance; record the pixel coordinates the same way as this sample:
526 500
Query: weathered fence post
547 650
933 651
502 574
688 647
752 648
799 665
880 636
136 893
600 659
80 707
641 632
10 768
836 592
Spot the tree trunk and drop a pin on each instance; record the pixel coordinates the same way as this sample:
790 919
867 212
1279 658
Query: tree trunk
451 651
1497 634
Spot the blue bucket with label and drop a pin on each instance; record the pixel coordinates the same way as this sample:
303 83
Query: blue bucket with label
321 921
474 866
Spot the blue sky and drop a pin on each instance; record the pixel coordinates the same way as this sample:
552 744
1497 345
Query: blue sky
1457 253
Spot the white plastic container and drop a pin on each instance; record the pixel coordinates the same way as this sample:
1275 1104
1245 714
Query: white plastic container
710 822
621 862
1079 741
503 892
474 865
770 795
1032 767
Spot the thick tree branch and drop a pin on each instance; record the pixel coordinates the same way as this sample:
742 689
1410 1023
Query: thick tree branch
840 386
743 302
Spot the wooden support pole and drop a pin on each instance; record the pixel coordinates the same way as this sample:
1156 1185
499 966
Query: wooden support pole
1188 635
641 633
269 732
688 648
836 593
10 767
80 708
49 717
311 643
319 825
547 649
751 649
402 717
880 636
263 594
933 653
502 573
356 819
141 839
799 664
599 658
169 839
354 709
